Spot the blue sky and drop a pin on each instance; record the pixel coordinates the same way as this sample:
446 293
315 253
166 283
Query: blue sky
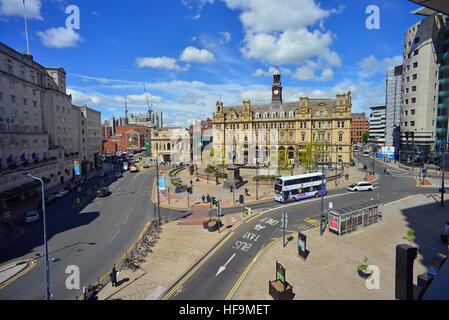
188 53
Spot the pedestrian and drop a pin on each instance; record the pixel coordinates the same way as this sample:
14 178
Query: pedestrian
208 198
203 197
113 277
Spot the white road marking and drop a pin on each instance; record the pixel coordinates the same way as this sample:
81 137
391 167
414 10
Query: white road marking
126 219
115 235
222 268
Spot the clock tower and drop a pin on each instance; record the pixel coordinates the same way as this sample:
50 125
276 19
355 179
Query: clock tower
276 91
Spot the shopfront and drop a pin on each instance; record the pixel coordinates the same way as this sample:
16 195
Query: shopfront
349 219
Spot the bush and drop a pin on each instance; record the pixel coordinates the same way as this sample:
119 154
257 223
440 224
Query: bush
222 175
210 170
265 177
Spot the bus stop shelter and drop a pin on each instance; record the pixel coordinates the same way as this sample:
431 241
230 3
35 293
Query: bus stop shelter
349 219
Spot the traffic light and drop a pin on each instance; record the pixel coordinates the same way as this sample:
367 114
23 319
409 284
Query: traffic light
214 201
232 188
241 199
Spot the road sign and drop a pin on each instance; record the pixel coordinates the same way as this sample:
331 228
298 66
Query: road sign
280 273
331 205
76 165
284 220
162 183
159 159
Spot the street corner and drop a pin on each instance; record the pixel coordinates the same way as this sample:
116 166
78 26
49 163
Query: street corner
11 272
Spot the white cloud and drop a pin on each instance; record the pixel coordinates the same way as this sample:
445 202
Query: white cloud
60 38
370 66
256 96
269 72
15 8
80 98
290 36
308 72
196 5
192 54
139 99
158 63
226 37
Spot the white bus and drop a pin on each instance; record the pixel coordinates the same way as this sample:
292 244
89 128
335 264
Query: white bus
292 188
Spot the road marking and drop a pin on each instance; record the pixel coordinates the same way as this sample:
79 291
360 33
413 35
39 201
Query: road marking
115 235
222 268
126 219
186 277
31 265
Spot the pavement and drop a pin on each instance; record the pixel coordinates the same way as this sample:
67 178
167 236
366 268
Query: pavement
328 273
169 199
330 270
180 247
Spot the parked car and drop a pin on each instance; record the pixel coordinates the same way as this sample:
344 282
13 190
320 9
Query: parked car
361 186
31 216
118 174
62 193
103 192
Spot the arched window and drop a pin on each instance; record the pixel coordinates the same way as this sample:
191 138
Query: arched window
265 115
274 115
257 115
291 114
282 114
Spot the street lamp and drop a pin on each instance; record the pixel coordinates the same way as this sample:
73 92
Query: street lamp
157 185
47 272
318 155
443 148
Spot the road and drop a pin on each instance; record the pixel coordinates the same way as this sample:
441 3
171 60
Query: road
94 236
220 275
91 237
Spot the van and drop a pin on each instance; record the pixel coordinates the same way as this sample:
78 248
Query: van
361 186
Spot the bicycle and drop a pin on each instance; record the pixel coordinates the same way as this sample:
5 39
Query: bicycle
130 264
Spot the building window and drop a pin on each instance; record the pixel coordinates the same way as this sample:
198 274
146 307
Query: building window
25 115
415 65
9 69
13 99
34 116
413 88
34 104
416 40
413 100
11 85
406 101
321 113
340 137
303 137
412 111
412 123
415 52
291 137
14 114
414 77
406 90
25 101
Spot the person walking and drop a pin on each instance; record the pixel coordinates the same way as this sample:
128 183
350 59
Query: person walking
203 198
113 277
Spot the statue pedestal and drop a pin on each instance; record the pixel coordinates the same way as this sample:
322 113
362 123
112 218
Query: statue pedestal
234 179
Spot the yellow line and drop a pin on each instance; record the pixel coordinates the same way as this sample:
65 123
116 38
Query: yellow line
248 268
252 218
20 274
186 277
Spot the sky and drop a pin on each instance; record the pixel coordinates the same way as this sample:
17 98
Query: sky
188 54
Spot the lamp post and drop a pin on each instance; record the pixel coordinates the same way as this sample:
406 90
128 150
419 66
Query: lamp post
443 148
157 184
321 154
47 271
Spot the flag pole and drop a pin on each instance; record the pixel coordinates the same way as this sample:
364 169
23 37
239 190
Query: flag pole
26 28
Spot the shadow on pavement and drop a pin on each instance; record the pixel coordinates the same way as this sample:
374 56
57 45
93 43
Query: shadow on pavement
428 221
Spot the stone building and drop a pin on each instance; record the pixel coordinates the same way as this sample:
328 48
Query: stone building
279 131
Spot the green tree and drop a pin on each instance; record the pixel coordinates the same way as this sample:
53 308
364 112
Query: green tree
309 156
365 137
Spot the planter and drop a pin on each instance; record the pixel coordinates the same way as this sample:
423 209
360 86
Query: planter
363 274
213 225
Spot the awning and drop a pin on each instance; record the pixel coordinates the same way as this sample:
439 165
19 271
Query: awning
437 5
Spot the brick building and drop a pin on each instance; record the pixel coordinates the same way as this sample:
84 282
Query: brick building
359 125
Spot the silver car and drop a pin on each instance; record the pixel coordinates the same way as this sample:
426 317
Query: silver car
32 216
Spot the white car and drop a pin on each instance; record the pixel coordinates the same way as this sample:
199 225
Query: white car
62 193
31 216
361 186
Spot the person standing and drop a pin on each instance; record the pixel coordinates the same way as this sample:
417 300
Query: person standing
203 198
113 277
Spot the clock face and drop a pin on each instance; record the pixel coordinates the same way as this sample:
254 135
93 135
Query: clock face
276 92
